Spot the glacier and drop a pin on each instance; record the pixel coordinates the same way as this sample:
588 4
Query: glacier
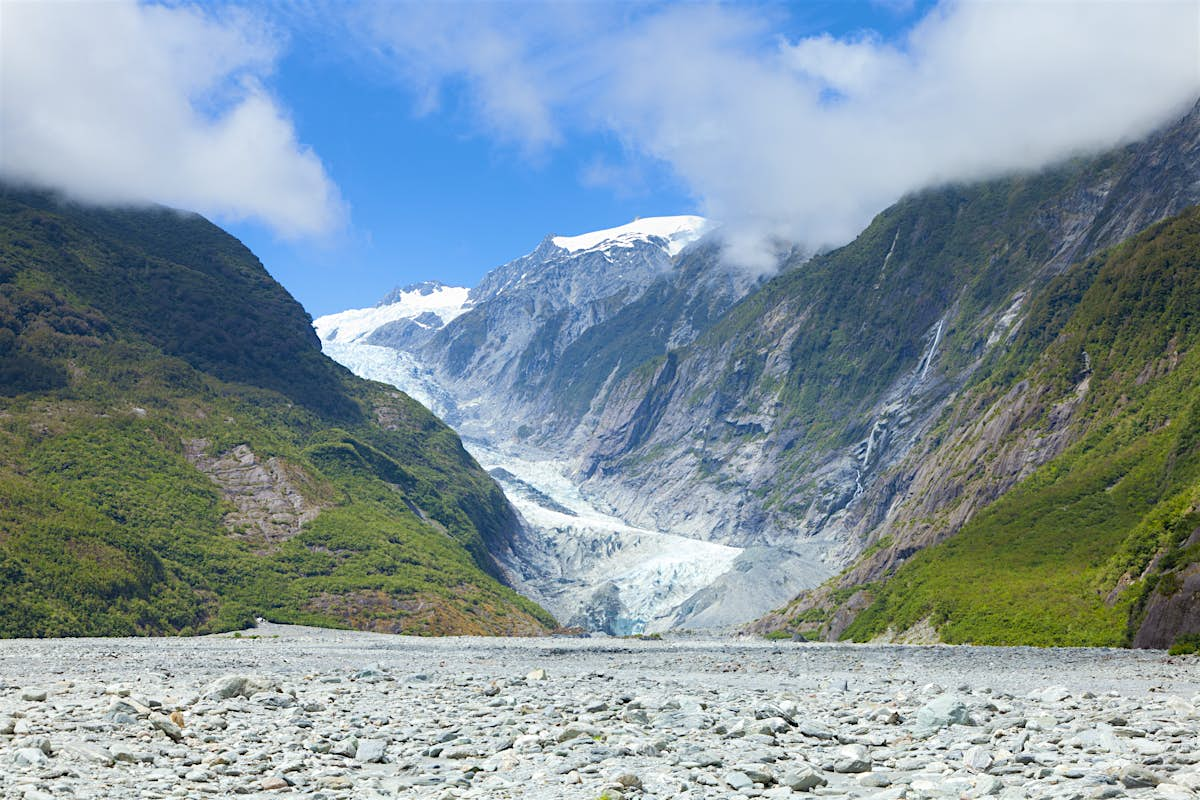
585 565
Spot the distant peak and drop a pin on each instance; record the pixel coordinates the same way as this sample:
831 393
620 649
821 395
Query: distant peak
678 232
423 289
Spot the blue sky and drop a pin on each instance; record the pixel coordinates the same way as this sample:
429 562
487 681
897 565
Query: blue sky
433 196
356 146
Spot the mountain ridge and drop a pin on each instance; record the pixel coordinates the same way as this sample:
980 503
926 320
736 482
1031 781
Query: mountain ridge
178 456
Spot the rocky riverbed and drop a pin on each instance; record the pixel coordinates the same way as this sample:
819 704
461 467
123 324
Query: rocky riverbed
285 711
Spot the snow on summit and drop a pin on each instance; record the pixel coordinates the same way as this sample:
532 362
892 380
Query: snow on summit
678 232
446 302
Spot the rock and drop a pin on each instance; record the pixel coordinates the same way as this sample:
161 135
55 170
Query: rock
89 752
29 756
370 751
346 747
274 782
629 781
1052 694
34 695
852 758
977 759
273 699
163 723
814 731
941 712
237 686
1173 791
738 781
123 752
756 773
1041 722
875 780
1136 777
804 778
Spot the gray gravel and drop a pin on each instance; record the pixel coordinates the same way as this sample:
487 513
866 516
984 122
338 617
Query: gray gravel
327 714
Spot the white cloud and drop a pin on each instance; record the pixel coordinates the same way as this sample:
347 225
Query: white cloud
805 140
117 102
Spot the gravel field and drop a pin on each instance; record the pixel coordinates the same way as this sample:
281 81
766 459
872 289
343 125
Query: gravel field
329 714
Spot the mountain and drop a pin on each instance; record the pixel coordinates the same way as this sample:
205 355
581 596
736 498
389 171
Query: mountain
176 454
517 370
1084 434
826 422
811 411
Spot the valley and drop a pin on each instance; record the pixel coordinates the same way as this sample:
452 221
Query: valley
803 435
282 710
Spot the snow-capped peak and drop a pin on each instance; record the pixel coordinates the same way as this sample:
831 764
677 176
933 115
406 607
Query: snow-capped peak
413 303
678 232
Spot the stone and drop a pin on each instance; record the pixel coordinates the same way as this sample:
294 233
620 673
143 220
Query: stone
803 778
370 751
123 752
346 747
738 781
977 759
756 773
276 782
273 699
88 751
852 758
629 781
986 786
1173 791
29 756
941 712
1136 777
230 686
163 723
34 695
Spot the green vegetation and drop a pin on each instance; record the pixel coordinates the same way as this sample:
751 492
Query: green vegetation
1069 555
128 337
862 314
1188 644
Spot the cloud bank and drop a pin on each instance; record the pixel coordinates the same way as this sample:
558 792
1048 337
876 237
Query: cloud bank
805 139
117 102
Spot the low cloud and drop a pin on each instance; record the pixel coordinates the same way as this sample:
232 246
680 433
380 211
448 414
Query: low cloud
804 140
118 102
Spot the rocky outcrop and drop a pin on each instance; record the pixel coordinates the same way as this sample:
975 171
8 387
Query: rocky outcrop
270 506
1173 609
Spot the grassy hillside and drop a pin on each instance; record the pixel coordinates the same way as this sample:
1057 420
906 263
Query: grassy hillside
1070 555
141 354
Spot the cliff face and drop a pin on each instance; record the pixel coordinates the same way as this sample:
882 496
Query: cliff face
822 412
547 334
1063 484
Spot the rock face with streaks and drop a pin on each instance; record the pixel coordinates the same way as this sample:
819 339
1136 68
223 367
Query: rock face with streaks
270 505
